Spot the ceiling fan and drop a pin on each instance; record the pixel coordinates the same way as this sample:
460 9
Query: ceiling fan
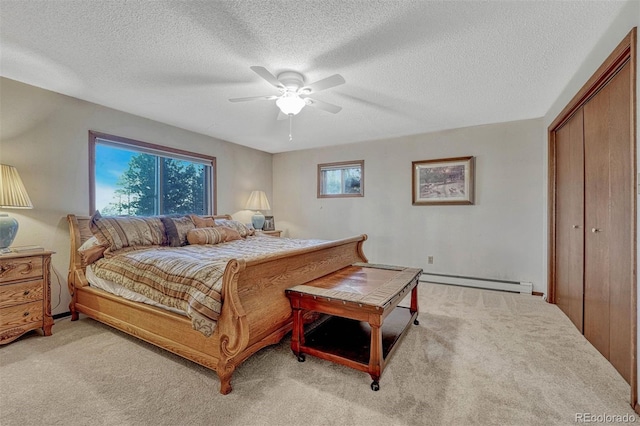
294 94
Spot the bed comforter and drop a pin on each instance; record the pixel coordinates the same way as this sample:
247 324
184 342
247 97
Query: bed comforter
188 278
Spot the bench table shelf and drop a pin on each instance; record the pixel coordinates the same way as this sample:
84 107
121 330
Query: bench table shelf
363 323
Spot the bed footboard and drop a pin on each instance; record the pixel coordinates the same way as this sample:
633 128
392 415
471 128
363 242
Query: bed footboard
256 312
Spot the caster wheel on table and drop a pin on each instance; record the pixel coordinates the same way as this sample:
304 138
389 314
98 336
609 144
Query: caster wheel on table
416 322
375 386
301 358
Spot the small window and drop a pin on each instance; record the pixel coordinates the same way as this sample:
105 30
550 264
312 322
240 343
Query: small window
344 179
141 179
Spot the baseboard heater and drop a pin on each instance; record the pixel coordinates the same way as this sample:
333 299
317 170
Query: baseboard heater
488 283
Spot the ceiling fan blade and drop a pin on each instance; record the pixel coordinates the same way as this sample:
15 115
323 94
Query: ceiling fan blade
325 106
264 73
325 83
254 98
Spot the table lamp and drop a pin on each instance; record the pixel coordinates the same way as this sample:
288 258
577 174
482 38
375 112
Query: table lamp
13 195
258 201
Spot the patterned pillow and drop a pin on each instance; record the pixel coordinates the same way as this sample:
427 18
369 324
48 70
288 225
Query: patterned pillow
118 232
242 229
212 235
202 222
177 229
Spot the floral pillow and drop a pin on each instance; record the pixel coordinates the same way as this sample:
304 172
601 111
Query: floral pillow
242 229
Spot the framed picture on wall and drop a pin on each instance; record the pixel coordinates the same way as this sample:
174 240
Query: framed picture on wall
443 181
269 224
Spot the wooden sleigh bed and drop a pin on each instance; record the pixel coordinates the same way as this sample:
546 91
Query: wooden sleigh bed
255 311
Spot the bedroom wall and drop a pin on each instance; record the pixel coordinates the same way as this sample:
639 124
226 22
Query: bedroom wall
500 236
45 136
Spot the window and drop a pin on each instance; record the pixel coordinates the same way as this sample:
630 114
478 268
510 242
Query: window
344 179
135 178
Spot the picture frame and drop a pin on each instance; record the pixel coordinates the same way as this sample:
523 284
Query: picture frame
443 181
269 224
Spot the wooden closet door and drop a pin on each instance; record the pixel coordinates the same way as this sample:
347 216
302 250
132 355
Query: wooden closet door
569 218
608 239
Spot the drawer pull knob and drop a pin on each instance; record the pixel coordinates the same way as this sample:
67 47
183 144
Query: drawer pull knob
26 314
26 293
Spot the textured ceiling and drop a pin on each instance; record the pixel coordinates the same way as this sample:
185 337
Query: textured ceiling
410 66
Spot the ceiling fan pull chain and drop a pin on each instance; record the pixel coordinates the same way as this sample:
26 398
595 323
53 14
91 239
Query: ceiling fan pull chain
290 125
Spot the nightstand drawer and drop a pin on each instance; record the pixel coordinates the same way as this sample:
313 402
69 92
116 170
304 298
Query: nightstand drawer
14 269
275 233
20 315
25 292
16 294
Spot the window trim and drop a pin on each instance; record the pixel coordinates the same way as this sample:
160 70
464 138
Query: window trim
151 149
340 165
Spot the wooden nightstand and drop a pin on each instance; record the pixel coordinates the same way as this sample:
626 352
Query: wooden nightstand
25 294
275 233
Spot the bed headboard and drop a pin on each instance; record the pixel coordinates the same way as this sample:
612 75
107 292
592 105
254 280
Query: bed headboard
79 232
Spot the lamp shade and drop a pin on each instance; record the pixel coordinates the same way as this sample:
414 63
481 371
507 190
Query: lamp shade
258 201
12 191
13 195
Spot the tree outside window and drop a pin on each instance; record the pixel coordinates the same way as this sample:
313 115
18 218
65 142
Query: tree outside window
134 180
344 179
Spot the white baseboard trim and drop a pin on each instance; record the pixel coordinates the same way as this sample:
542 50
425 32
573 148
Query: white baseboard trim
522 287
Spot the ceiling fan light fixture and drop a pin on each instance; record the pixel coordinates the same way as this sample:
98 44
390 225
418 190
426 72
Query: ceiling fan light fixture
290 103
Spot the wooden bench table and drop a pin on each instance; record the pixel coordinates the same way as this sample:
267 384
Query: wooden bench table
363 322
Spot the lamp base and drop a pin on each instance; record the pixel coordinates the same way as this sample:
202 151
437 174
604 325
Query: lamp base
257 220
9 229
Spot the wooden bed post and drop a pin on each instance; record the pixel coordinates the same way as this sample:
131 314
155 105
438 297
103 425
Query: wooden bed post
75 263
72 292
232 325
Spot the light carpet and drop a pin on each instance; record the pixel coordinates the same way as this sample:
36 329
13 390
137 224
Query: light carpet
477 357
